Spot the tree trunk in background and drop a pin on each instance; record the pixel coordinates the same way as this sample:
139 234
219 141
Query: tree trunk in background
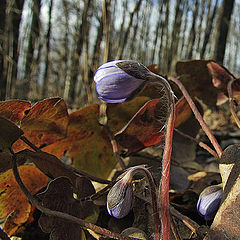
47 54
210 18
134 35
200 25
106 28
3 77
166 38
223 27
15 16
175 37
126 34
33 38
75 64
192 36
66 76
97 47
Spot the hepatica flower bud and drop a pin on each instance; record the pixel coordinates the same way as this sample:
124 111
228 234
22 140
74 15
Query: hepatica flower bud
120 80
119 199
209 202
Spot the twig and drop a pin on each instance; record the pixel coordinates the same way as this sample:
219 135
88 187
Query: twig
3 235
35 148
200 143
193 226
198 115
174 228
231 102
62 215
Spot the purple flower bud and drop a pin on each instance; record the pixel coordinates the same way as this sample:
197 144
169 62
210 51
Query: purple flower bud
119 199
120 80
209 202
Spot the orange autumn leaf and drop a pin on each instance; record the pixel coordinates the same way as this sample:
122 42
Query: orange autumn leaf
14 110
46 122
87 143
13 203
146 129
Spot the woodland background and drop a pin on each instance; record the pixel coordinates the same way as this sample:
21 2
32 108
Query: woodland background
53 47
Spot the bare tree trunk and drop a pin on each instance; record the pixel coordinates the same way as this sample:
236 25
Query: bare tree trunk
47 54
124 40
75 66
97 47
33 38
224 22
160 6
166 38
86 80
210 18
66 52
192 36
200 25
175 36
106 28
183 52
15 16
3 76
133 39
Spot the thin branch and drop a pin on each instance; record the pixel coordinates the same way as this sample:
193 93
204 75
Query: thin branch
174 228
231 102
62 215
200 143
193 226
198 116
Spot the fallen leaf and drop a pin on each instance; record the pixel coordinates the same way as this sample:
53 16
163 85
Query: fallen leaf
13 203
14 110
146 128
143 130
45 123
196 78
87 143
59 196
220 75
119 114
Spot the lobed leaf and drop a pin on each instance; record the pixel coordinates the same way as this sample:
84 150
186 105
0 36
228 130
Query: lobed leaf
13 203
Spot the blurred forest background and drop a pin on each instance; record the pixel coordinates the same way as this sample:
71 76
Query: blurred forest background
53 47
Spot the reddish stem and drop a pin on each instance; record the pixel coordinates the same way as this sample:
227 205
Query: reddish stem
198 116
164 186
231 103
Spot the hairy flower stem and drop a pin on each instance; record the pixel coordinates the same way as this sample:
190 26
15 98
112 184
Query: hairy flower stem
164 185
166 162
198 116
